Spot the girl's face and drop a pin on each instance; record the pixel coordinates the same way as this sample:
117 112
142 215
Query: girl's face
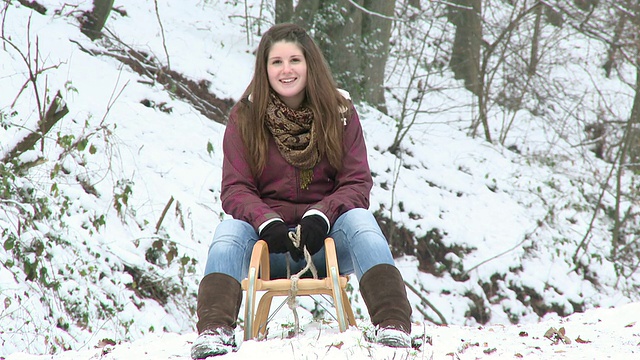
287 72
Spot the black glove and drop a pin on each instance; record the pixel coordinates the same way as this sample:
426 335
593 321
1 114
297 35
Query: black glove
276 234
313 231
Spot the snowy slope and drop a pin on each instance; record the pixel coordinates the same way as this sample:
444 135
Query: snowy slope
116 268
597 334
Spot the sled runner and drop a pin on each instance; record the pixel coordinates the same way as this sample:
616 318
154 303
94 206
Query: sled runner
255 323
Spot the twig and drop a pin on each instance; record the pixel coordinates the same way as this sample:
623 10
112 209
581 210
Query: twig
27 61
526 237
113 99
164 213
207 103
428 303
402 129
246 22
164 43
373 13
392 230
4 17
47 118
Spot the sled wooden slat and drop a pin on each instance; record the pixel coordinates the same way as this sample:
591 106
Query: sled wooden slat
259 279
307 284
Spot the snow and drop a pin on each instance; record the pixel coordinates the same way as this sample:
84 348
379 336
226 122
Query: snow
596 334
520 218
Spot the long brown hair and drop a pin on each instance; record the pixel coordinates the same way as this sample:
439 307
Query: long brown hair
321 96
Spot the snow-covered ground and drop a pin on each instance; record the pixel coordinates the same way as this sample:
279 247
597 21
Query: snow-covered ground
596 334
521 218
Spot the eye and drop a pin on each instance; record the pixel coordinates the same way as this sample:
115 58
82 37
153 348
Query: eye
276 62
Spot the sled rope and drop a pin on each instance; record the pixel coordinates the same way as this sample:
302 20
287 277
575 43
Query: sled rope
293 292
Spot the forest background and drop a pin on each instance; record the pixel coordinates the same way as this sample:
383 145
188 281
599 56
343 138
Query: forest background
503 136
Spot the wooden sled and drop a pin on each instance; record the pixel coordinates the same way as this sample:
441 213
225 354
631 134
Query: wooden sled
258 279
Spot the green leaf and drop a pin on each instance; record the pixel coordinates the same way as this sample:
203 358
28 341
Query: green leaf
9 243
82 144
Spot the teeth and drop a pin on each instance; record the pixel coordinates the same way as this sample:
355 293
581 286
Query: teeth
286 81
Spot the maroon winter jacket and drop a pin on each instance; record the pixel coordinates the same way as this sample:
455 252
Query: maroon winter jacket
276 193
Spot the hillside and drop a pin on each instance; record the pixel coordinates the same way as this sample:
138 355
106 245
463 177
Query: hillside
106 218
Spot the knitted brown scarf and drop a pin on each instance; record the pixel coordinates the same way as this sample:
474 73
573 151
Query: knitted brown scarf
295 135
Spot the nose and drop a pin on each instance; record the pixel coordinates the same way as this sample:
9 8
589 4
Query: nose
286 67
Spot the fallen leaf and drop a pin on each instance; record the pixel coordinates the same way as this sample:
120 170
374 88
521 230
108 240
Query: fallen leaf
580 341
489 351
557 335
104 342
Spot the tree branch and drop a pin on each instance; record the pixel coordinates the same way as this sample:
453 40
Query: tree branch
424 300
57 110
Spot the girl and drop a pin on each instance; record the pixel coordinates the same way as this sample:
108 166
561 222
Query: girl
294 154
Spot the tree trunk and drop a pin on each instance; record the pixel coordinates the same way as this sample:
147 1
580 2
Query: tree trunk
284 11
339 34
535 41
615 43
376 31
465 54
634 117
305 12
634 120
354 40
415 4
629 157
94 21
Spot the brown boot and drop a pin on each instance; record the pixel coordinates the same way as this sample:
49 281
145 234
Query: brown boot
219 299
384 293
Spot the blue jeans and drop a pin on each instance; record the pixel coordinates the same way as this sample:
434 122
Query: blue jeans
360 245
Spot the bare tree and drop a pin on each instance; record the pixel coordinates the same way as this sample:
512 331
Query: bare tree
417 63
480 51
48 114
619 34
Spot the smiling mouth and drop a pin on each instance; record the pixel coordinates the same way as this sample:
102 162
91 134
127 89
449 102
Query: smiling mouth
287 81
